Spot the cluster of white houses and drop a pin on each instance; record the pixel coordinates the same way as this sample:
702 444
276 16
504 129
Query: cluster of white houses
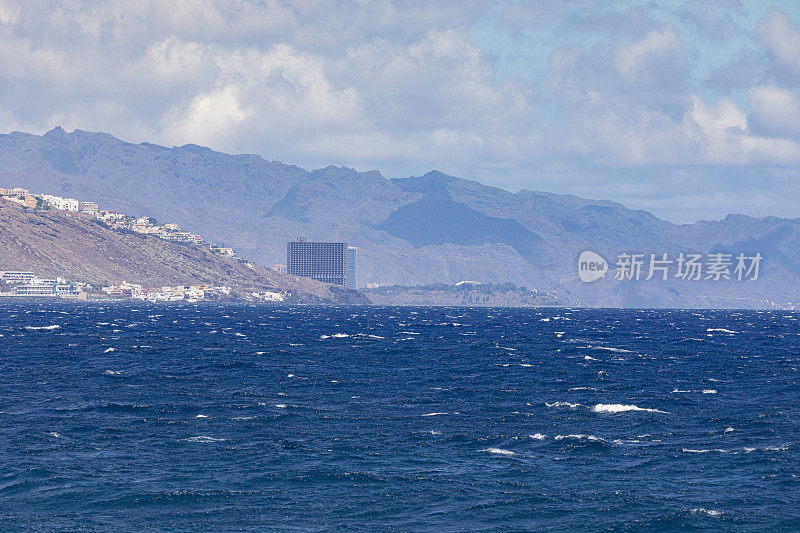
118 221
27 284
21 283
190 293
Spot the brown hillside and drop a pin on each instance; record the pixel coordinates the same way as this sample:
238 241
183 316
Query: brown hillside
73 245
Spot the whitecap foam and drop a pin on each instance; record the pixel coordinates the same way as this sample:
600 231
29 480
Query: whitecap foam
564 405
112 373
335 336
709 391
281 405
498 451
201 416
721 330
590 358
607 348
709 512
580 436
43 328
538 436
621 408
204 438
434 414
109 350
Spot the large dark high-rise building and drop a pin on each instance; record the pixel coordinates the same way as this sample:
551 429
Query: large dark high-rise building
322 261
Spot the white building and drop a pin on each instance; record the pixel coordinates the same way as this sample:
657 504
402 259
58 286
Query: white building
88 207
11 276
62 204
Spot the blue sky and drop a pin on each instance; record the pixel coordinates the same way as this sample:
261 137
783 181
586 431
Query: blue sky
689 109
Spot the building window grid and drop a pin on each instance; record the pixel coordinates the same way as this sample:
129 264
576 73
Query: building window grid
324 262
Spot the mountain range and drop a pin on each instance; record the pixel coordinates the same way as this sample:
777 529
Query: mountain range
433 228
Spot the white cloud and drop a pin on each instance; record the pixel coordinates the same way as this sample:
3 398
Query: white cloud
8 12
776 110
630 58
782 38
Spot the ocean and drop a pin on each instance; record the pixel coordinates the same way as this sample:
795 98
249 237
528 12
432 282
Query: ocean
216 418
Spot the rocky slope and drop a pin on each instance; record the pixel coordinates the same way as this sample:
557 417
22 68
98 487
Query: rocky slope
411 231
72 245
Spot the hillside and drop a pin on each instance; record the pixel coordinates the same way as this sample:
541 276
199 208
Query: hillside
74 246
409 231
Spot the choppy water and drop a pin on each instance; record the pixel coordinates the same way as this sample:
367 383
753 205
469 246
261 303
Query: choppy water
228 418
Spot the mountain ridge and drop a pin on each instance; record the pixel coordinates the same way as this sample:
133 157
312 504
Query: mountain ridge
480 232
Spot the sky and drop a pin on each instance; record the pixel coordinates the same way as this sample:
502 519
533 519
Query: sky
688 109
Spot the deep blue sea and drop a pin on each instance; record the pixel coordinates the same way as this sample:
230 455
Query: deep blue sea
218 418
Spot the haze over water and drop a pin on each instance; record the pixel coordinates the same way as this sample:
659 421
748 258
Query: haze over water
185 418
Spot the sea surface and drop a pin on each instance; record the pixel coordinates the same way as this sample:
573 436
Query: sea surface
219 418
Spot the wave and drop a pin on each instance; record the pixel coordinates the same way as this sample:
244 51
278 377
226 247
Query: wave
581 437
606 348
566 405
709 391
43 328
204 438
721 330
621 408
434 414
112 373
538 436
109 350
335 336
709 512
708 450
498 451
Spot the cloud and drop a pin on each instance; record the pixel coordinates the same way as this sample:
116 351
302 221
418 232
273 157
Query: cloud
782 38
776 111
407 85
655 45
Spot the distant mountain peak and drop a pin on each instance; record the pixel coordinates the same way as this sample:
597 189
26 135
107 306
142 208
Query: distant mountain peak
57 131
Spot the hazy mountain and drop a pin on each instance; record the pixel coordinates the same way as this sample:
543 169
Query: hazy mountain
428 229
